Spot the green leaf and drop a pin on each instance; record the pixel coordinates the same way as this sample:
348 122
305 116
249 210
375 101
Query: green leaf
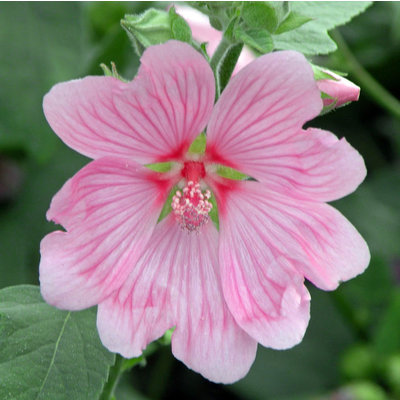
179 27
293 21
41 44
258 39
312 37
46 353
260 15
147 29
227 64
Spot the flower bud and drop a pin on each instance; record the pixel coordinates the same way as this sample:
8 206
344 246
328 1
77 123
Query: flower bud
340 90
151 27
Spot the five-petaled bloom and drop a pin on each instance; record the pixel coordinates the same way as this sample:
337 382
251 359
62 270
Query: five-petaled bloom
223 290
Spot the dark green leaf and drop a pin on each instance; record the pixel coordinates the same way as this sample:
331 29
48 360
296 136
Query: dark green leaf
41 44
46 353
228 63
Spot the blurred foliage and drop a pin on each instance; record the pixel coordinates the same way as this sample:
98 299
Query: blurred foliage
352 347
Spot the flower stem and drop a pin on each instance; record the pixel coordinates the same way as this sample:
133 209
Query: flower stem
366 81
113 378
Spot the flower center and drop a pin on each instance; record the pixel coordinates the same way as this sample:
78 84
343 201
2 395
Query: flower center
191 205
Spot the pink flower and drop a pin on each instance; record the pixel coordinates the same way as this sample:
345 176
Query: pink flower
225 290
340 90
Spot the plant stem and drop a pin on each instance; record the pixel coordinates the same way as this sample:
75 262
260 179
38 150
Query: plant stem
113 378
366 81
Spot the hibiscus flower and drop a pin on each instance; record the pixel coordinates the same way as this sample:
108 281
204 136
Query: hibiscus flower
224 289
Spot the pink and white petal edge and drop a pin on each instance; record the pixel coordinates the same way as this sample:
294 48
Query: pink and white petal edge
176 283
263 289
312 165
109 209
152 118
317 240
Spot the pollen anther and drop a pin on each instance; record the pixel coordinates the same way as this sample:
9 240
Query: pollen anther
191 206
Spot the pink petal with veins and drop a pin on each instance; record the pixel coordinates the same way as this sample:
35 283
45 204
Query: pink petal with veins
176 283
109 209
313 237
312 164
266 103
263 289
153 118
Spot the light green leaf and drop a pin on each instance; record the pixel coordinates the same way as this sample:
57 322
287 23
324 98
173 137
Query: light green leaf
293 21
260 15
312 38
48 354
258 39
179 27
147 29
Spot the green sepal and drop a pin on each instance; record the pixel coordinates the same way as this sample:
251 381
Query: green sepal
112 72
293 21
198 145
321 73
147 29
160 167
230 173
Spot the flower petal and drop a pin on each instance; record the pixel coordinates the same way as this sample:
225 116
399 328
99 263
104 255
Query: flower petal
314 165
176 283
314 237
262 288
266 103
109 209
153 118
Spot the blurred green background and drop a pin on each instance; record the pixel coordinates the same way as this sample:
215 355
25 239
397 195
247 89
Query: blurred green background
352 347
